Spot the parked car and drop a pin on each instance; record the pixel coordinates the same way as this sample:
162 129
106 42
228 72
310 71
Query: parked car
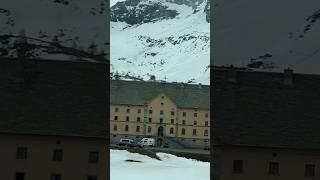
146 142
166 145
126 142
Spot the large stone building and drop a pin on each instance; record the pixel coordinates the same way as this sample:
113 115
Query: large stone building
173 113
266 125
53 118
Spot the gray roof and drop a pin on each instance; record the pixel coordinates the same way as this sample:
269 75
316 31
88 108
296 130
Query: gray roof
258 109
53 98
140 92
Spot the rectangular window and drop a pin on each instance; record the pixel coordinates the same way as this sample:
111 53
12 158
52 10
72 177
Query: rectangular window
195 114
139 111
184 114
93 157
92 178
138 119
237 166
172 121
183 122
55 176
116 110
128 110
19 176
273 168
194 122
161 112
57 155
172 113
150 119
206 115
127 118
206 123
21 153
150 111
115 118
161 120
138 129
310 170
115 128
194 132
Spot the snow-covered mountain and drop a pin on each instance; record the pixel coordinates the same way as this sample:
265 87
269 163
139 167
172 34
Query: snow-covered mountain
165 39
268 35
54 29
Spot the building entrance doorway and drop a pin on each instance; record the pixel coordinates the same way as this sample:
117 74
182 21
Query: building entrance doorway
160 131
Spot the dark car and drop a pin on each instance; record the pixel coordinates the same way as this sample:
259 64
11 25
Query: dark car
166 145
126 142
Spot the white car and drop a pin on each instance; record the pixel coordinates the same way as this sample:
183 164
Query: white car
150 142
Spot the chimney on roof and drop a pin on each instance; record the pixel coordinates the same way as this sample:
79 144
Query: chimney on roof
152 77
288 77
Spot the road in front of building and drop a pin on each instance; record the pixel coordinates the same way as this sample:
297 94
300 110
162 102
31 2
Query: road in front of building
194 151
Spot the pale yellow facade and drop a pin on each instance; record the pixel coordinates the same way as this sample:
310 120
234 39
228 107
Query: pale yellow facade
160 117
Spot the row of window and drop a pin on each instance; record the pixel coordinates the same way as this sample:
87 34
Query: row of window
54 176
161 120
183 131
57 155
274 168
184 114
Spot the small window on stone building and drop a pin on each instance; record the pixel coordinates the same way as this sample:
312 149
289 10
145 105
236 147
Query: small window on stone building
127 118
172 113
150 111
161 103
19 176
162 97
138 129
57 155
138 119
274 168
310 170
237 166
116 109
161 120
206 115
172 121
183 131
128 110
115 118
194 132
194 122
171 130
184 114
161 112
183 122
206 123
126 128
195 114
21 153
150 119
139 111
92 178
115 128
149 129
93 157
55 176
205 132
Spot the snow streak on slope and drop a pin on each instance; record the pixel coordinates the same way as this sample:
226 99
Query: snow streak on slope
71 23
173 48
170 167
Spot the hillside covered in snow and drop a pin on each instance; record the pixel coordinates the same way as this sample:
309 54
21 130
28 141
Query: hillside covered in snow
54 29
133 166
268 35
166 39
